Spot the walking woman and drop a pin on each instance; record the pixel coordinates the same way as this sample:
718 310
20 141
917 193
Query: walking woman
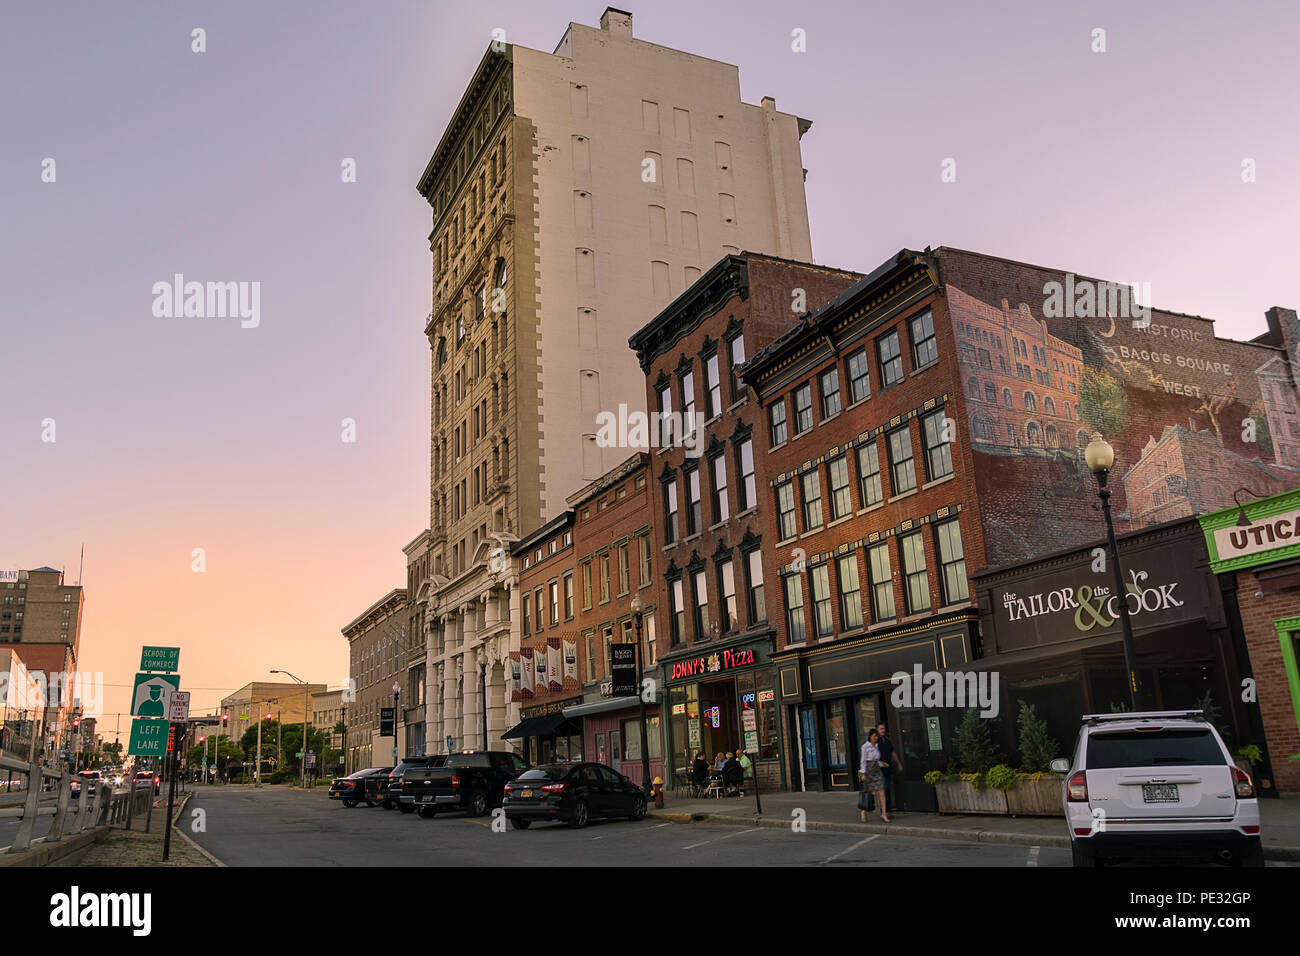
872 780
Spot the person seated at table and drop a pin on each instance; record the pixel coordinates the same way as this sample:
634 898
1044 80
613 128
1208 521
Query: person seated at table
733 774
700 771
719 760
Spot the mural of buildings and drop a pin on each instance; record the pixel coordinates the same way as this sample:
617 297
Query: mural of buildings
1278 404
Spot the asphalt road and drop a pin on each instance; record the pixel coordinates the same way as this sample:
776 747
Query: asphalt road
280 827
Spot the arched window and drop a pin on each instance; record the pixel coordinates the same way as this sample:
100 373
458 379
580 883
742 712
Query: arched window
1006 397
442 352
990 393
1052 438
1083 438
973 386
1031 403
1049 406
1033 435
501 274
1069 413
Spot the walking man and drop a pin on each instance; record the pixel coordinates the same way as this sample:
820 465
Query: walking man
890 757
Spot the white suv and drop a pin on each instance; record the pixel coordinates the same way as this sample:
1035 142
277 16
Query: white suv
1157 785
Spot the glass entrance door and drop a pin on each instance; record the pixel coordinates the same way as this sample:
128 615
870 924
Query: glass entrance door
812 773
839 775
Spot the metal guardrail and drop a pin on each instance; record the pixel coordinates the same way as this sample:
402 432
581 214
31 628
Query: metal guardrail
109 807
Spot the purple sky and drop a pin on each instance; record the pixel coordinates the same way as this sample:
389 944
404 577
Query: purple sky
175 434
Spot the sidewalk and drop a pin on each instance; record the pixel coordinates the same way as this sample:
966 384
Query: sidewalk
134 847
1279 819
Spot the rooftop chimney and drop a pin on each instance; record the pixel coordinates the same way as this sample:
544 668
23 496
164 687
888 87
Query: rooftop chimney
769 104
616 22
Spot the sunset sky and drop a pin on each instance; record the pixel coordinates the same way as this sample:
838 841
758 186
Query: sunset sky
174 434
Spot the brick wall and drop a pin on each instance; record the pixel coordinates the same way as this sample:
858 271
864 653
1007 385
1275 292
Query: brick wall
1274 693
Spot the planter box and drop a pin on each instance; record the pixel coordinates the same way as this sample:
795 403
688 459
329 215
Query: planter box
1037 798
960 797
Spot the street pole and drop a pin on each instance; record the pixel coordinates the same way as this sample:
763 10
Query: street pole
395 693
257 767
343 719
482 683
304 734
645 749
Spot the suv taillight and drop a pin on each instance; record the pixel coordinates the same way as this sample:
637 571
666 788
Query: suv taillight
509 789
1245 789
1076 791
455 781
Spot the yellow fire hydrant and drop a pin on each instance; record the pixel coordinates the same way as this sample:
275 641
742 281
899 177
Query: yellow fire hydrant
657 791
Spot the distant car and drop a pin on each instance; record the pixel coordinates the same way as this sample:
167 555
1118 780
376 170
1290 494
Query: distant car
392 788
143 776
575 793
1158 786
362 785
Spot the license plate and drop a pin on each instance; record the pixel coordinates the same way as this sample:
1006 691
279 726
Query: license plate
526 793
1159 793
426 799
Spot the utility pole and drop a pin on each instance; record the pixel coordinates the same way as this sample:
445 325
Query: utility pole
257 767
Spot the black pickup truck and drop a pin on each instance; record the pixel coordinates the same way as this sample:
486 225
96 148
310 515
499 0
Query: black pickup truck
471 780
391 791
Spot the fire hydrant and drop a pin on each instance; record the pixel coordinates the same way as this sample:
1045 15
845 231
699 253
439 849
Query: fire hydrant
657 791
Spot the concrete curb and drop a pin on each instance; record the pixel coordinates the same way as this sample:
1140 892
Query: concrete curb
41 853
1277 853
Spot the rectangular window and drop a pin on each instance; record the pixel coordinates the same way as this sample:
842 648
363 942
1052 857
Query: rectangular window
604 577
555 603
952 561
624 568
737 360
670 508
591 657
688 403
776 416
830 393
841 500
803 419
925 347
665 418
645 559
727 588
693 507
714 385
586 586
568 596
850 592
757 605
938 452
882 583
721 511
539 609
891 359
702 625
785 511
917 581
859 382
901 466
869 474
528 607
821 588
748 488
794 624
812 500
678 611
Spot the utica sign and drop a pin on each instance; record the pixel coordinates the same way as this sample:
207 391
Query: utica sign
1263 534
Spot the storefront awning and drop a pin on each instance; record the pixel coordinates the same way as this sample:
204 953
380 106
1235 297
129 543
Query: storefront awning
543 726
602 706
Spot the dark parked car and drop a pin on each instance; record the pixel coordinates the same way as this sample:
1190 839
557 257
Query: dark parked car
471 780
362 785
573 792
392 788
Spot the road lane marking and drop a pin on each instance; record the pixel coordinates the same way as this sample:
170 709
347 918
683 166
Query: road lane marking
1033 857
727 837
476 822
658 825
875 836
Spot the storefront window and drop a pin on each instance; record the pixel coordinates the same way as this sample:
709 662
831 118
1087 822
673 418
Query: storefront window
768 733
632 738
837 748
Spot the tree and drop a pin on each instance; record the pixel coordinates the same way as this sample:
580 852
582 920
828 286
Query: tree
1103 403
974 746
1037 750
1263 437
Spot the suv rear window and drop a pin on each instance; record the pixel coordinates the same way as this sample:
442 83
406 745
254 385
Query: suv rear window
1153 748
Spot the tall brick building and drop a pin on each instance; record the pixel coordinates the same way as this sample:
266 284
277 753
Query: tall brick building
718 628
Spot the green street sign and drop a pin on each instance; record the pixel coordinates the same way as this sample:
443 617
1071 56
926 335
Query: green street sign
149 698
148 738
160 658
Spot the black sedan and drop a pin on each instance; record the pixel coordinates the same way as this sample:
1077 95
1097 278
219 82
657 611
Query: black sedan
362 785
573 792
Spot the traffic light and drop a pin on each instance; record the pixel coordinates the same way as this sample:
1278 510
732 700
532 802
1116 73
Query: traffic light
202 739
76 723
224 718
269 715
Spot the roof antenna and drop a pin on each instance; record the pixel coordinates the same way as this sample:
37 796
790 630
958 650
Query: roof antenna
82 565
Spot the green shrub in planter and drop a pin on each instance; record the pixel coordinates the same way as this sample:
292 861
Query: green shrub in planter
1037 750
1251 753
1002 777
974 746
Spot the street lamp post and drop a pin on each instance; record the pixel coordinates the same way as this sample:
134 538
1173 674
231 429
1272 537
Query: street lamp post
397 689
638 611
305 707
1100 457
482 692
